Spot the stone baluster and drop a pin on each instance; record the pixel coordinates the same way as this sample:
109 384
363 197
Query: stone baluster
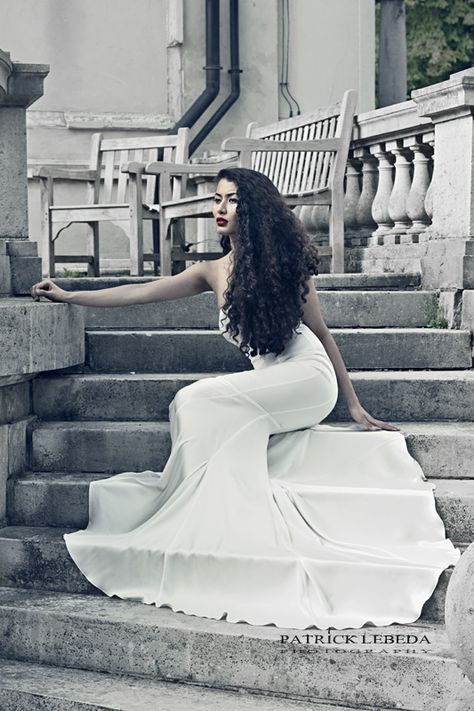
380 212
429 141
352 195
364 217
397 205
415 205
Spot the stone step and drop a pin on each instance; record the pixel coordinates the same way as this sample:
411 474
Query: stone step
36 557
403 395
443 449
341 309
322 281
37 687
97 633
170 351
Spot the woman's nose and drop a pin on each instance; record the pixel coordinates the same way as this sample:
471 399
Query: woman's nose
222 207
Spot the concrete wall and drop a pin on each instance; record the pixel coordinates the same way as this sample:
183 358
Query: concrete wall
105 55
332 48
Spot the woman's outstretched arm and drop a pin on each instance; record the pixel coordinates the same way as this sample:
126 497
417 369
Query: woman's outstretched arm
189 282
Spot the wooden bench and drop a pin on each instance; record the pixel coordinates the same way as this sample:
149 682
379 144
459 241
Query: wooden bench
111 197
304 156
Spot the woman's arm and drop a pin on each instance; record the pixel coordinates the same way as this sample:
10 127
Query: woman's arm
189 282
313 318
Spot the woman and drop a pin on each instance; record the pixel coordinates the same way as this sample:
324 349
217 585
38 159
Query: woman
261 514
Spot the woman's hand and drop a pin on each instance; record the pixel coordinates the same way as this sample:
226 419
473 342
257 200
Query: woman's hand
49 289
364 418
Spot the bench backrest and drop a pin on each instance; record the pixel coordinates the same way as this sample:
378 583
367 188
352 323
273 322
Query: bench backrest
109 154
297 172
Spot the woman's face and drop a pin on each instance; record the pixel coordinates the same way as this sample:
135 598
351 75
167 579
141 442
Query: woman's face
224 207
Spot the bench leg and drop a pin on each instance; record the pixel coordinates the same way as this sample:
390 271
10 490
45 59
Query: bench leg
93 248
178 239
135 230
165 246
336 233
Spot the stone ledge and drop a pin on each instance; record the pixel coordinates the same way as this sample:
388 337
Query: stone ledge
38 336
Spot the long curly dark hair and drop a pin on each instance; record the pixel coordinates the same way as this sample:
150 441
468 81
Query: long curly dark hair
272 261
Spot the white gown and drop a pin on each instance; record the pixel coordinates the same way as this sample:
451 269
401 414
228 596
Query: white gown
262 515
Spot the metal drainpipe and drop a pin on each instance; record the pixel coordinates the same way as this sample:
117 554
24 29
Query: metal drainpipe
234 72
212 69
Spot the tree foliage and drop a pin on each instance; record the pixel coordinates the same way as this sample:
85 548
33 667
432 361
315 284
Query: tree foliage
440 39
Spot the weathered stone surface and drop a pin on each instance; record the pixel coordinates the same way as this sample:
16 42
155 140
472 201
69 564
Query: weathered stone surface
467 313
13 456
5 275
25 271
34 687
100 446
440 448
165 351
39 336
460 612
117 636
352 309
388 395
322 281
14 401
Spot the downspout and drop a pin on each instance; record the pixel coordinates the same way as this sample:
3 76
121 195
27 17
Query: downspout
234 72
212 70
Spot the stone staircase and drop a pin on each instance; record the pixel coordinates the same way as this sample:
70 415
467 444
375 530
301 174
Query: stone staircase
67 646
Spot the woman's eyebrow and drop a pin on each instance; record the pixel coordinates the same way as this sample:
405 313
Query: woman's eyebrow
227 194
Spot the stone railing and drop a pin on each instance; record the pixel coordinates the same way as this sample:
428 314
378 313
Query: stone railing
388 177
409 196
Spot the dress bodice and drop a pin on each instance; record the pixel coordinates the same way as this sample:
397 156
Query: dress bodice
304 344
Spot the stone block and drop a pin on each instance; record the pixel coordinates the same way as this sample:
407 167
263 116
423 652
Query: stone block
21 248
446 264
450 304
100 447
13 456
25 271
15 402
39 336
467 310
5 275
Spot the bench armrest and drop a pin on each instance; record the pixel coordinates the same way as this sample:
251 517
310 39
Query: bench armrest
65 173
182 168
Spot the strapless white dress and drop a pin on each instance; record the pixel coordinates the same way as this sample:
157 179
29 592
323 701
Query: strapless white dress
263 515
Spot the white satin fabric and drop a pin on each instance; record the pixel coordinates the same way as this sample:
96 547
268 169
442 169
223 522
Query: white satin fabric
262 515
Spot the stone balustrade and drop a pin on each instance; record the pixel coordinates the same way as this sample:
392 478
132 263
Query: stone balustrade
388 179
409 179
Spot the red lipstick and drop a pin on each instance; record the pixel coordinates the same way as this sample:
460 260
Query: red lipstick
221 221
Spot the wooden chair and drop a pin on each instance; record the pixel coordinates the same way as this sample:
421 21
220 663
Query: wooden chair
304 156
111 197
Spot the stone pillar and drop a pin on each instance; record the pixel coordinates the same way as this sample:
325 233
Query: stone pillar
20 86
449 259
